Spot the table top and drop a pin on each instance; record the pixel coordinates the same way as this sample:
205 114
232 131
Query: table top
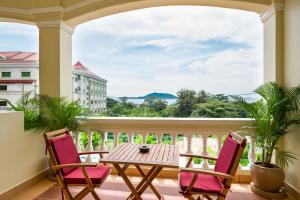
163 155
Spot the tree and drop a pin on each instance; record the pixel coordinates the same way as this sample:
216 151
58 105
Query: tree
156 104
219 109
185 103
110 102
202 96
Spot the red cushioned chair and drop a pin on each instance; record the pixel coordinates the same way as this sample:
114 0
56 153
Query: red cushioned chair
69 169
206 183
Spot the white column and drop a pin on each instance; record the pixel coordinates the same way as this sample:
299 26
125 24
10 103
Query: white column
55 58
273 42
204 163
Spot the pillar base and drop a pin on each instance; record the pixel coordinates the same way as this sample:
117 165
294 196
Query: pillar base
281 194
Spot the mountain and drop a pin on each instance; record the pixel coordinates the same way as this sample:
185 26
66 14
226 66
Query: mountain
154 94
159 95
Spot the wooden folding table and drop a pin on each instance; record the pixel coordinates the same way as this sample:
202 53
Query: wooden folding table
159 156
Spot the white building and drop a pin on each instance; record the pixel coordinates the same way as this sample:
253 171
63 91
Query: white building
19 73
89 89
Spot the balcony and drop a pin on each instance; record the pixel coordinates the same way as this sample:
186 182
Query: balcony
192 135
27 165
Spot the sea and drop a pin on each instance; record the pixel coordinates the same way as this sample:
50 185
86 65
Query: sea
250 98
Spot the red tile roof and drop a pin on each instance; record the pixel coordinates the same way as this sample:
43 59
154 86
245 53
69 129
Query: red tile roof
18 57
27 57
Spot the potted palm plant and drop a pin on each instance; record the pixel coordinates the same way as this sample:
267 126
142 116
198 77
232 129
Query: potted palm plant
272 116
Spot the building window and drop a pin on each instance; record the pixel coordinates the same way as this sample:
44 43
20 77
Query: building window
3 87
3 103
6 74
25 74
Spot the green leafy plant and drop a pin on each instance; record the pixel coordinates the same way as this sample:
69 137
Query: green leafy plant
273 115
43 113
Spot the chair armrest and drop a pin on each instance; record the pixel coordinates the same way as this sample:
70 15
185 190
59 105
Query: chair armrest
190 155
73 165
208 172
92 152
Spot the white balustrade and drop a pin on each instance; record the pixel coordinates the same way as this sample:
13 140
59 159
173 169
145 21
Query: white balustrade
166 126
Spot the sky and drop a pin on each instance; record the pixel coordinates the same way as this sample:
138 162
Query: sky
164 49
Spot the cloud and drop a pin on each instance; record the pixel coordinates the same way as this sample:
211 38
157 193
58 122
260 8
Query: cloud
189 22
165 49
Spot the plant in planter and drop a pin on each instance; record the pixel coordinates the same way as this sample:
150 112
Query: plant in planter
44 114
273 116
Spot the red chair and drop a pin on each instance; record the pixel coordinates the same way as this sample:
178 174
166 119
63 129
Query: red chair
217 182
69 170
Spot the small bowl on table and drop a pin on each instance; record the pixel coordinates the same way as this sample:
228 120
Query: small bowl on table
144 148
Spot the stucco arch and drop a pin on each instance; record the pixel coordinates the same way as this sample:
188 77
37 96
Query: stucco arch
75 12
86 12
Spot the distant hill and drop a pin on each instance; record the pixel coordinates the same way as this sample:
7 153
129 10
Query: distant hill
160 95
154 94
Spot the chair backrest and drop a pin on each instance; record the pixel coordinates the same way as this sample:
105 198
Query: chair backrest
62 149
230 154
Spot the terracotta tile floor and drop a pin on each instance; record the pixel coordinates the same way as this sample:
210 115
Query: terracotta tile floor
115 189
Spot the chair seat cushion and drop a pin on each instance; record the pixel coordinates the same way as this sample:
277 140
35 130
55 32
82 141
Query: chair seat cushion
96 174
204 183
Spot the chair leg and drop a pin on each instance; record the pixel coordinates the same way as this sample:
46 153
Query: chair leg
67 193
95 195
62 194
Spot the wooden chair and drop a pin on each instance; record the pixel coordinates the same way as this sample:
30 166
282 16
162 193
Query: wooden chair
69 169
207 183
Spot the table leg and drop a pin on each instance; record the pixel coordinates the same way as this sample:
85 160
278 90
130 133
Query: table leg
127 181
150 184
145 177
148 181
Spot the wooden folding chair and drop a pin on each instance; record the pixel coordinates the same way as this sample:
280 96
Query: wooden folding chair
207 183
69 169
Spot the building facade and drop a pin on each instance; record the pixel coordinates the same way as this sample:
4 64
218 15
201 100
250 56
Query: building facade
89 89
19 73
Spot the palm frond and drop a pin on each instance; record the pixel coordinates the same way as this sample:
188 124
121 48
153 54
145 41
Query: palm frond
284 158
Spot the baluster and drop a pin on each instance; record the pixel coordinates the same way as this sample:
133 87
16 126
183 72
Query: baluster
219 143
173 138
78 134
130 137
144 137
90 146
159 138
252 153
189 137
103 137
116 138
204 163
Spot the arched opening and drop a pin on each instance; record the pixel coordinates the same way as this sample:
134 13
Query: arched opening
166 49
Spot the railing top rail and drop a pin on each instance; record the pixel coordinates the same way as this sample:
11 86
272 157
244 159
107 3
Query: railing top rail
163 124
